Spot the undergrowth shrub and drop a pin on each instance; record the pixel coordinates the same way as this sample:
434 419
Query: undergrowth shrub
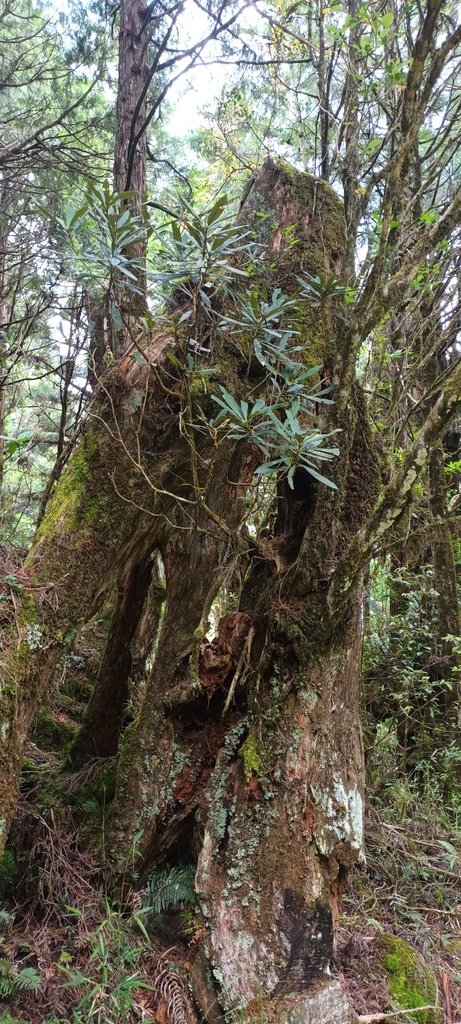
408 694
111 973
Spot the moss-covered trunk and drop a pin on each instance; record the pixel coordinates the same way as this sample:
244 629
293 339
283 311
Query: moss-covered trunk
160 755
256 734
107 513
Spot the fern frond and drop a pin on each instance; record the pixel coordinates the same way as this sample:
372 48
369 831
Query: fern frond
27 980
5 918
5 968
170 888
6 986
178 1007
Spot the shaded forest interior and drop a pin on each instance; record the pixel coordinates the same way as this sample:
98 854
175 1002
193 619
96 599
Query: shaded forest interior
230 489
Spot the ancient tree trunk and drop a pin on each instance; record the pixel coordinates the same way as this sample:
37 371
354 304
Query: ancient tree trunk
283 808
254 736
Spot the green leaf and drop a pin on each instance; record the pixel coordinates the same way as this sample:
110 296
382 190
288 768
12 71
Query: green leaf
75 217
176 231
217 210
125 217
116 316
268 467
319 477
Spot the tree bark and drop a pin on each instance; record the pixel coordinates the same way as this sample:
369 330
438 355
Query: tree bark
102 725
158 753
136 22
445 583
105 513
285 805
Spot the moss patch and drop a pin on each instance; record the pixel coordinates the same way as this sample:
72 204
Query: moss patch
251 758
8 872
411 981
68 504
53 732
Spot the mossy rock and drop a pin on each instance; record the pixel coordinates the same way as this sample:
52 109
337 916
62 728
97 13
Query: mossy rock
53 732
411 981
8 872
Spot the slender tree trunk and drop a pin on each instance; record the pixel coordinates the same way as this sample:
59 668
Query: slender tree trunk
102 725
130 153
445 583
136 22
3 327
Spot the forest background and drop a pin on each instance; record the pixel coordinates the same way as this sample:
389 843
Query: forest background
229 498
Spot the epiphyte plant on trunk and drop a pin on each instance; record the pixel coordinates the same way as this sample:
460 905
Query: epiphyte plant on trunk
99 236
208 255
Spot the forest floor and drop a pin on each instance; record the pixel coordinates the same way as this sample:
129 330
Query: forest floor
411 888
84 951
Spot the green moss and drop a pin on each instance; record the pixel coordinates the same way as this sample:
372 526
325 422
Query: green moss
68 505
8 872
105 783
411 981
53 733
93 510
251 758
127 751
